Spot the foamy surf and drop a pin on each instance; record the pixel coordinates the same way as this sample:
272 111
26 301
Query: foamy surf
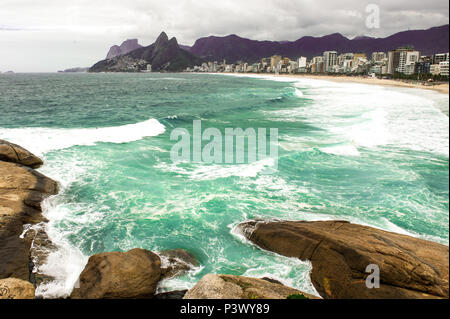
371 116
284 269
66 262
215 171
298 93
41 140
344 150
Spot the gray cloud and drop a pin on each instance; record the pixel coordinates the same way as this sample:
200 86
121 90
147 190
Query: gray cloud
51 35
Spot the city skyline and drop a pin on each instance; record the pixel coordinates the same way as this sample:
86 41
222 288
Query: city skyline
64 34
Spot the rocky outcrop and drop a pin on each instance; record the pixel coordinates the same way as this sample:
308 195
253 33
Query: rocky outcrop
13 288
126 47
237 287
22 190
10 152
340 253
176 262
75 70
163 55
118 275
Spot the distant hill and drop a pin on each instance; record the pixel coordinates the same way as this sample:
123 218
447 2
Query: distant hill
126 47
163 55
233 48
185 47
74 70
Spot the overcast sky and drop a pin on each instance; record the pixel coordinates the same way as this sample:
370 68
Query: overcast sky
49 35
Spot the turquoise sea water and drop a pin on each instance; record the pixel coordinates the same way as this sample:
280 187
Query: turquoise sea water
372 155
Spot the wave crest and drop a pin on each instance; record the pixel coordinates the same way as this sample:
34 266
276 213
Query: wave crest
41 140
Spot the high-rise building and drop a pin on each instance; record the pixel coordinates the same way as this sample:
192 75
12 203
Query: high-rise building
422 67
359 55
347 65
302 62
440 57
274 61
329 60
426 58
443 66
435 69
317 64
286 62
393 57
378 56
402 60
408 62
317 59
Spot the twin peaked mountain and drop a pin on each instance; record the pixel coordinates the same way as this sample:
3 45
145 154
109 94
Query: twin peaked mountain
167 55
163 55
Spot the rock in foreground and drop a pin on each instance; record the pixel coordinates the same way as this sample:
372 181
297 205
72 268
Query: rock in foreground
10 152
13 288
340 252
176 262
237 287
117 275
21 191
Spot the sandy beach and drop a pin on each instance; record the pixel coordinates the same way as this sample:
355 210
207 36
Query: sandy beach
442 88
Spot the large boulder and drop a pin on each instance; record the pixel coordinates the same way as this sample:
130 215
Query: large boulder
21 191
340 253
13 288
176 262
10 152
237 287
17 177
119 275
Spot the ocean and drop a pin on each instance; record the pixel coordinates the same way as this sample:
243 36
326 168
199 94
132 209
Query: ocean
372 155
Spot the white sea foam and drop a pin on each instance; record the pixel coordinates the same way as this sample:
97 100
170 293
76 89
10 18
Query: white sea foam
42 140
298 93
215 171
63 264
359 115
292 272
66 262
346 150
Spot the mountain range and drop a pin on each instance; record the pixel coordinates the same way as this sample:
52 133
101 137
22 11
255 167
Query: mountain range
233 48
168 55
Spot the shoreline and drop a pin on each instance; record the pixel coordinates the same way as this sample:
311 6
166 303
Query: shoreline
442 88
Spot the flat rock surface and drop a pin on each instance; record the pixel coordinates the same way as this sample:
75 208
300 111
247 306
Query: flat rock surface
237 287
340 252
13 288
